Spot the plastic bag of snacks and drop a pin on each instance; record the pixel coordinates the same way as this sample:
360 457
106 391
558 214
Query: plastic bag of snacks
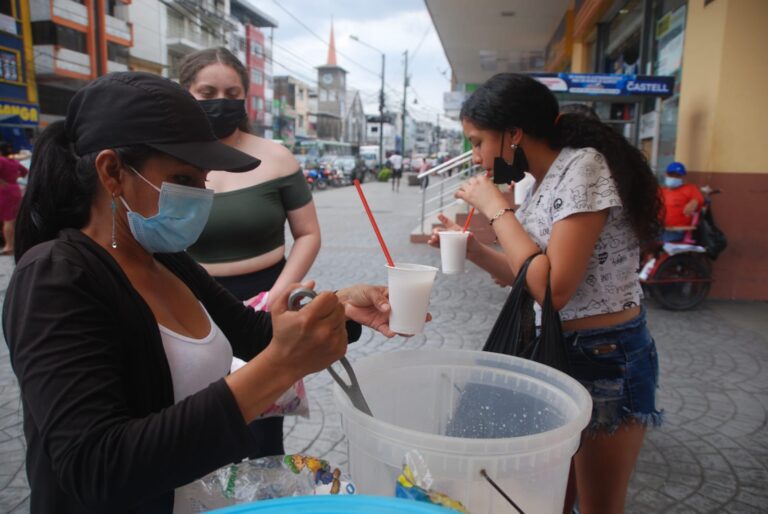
293 402
415 483
262 479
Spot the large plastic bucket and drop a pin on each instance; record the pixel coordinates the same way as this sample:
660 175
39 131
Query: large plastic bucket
465 411
335 505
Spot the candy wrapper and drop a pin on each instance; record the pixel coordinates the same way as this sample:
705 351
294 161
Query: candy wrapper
415 483
262 479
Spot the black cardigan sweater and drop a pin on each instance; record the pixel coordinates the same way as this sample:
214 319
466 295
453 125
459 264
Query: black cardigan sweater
103 433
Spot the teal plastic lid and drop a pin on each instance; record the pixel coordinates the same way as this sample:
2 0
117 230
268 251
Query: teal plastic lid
336 505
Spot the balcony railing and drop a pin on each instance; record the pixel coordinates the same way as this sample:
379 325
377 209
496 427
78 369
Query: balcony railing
52 60
119 28
113 66
71 11
439 195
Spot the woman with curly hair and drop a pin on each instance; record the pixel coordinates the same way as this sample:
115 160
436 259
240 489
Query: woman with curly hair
595 202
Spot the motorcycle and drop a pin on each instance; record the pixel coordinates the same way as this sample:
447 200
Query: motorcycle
317 179
679 275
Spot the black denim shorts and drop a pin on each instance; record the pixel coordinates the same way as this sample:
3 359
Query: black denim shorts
619 367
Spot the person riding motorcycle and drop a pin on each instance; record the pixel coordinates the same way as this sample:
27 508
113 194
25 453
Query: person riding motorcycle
681 201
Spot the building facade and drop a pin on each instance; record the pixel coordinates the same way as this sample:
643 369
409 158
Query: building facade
149 52
75 42
354 120
192 26
254 49
389 128
713 122
331 96
19 109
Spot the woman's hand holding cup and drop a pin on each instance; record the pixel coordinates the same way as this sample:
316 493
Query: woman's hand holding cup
451 226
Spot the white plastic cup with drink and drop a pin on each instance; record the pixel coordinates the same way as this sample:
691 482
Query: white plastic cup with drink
453 251
410 286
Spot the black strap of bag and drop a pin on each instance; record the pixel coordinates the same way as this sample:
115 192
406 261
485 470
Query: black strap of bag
514 332
511 327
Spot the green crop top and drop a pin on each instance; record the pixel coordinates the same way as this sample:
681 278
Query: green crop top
250 222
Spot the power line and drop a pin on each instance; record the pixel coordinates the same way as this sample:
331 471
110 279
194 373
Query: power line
318 37
418 47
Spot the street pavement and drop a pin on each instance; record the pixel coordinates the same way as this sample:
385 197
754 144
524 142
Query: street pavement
711 455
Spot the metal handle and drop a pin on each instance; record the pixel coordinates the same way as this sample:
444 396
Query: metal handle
299 294
353 388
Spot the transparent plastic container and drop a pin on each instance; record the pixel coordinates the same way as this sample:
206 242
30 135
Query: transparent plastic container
465 411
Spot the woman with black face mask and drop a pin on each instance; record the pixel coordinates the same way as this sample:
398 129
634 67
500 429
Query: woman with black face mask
595 202
243 244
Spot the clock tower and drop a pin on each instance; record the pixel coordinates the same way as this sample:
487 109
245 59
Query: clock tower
331 95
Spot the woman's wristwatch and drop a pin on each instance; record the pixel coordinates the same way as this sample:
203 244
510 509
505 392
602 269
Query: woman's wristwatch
500 214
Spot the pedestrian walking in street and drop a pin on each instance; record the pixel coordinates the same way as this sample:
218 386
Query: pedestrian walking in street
425 165
121 343
243 244
10 195
595 203
396 161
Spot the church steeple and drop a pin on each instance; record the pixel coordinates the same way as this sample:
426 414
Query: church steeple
332 50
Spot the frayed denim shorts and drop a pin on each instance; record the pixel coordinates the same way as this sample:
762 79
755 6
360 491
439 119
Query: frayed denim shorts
619 367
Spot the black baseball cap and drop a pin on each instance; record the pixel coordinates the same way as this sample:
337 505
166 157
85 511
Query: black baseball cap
135 108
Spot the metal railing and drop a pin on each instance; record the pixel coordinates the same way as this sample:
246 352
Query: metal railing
438 196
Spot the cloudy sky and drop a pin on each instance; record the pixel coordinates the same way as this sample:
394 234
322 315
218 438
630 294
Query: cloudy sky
392 26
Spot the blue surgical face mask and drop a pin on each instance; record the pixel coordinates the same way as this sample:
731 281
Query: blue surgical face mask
181 216
673 182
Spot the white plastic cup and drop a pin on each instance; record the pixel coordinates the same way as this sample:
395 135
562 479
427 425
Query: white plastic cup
410 286
453 251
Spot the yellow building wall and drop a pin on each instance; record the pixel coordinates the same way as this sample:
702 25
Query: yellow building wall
742 114
723 116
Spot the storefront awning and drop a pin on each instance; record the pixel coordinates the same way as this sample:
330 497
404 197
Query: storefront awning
485 37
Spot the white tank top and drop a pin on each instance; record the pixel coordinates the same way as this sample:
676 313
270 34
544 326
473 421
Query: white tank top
196 363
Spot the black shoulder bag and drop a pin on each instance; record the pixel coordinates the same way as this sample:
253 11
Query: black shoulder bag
514 332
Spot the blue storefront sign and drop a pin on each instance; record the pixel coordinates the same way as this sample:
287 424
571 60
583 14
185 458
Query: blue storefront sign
18 113
607 84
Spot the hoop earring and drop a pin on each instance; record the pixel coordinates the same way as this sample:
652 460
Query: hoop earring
114 208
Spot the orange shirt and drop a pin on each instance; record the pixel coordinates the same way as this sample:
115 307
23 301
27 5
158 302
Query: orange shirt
675 201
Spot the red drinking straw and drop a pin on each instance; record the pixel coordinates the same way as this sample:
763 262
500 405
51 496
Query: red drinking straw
469 219
472 210
373 223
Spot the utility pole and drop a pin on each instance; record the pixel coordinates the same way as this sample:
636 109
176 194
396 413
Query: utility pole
381 115
405 92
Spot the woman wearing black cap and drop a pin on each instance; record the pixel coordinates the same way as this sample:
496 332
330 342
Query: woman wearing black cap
120 342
